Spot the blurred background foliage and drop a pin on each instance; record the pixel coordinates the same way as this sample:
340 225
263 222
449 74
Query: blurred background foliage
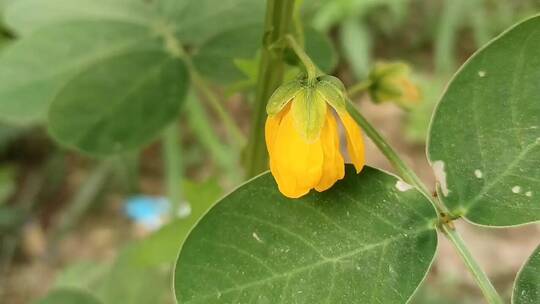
63 220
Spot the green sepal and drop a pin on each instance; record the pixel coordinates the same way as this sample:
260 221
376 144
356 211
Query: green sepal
282 96
309 110
332 90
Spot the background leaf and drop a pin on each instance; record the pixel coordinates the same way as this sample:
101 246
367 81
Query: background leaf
117 105
362 241
486 132
527 288
36 67
356 42
68 296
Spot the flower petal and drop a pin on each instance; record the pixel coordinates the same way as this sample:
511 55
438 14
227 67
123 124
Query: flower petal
295 163
333 164
355 142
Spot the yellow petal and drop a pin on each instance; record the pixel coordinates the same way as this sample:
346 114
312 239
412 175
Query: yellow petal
295 163
271 127
355 142
333 164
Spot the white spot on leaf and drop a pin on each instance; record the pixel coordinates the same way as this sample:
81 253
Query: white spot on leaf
256 237
403 186
516 189
528 193
478 173
440 176
482 73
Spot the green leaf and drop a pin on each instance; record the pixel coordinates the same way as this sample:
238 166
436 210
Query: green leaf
197 21
119 104
26 16
126 283
356 41
527 286
36 67
485 134
68 296
321 50
361 241
193 21
217 56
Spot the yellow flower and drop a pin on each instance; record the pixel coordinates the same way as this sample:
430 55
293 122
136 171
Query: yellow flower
302 136
391 82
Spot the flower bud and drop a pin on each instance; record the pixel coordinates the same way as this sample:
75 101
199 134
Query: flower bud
391 82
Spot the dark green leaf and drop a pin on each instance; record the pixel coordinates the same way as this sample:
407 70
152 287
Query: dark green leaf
361 241
68 296
527 287
120 103
485 134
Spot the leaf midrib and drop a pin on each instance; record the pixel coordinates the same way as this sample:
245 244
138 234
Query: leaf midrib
324 261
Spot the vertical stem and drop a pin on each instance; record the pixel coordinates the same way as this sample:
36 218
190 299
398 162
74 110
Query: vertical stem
479 275
173 165
279 14
223 155
232 128
445 225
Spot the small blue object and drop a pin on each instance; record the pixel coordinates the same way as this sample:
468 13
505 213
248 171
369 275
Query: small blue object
148 211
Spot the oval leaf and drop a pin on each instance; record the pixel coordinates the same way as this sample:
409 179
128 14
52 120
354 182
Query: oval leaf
485 133
527 288
34 68
362 241
119 104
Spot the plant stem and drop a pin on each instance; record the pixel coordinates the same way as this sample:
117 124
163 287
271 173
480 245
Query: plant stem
82 200
310 67
445 225
232 128
172 152
359 88
279 15
404 171
223 155
479 275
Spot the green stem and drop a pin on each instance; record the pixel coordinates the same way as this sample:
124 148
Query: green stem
232 128
83 199
279 15
311 68
359 88
172 152
223 155
445 224
202 86
403 170
478 273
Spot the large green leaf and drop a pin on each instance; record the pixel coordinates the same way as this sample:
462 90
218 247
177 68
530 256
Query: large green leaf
120 103
26 16
527 287
34 69
363 241
485 135
193 21
68 296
